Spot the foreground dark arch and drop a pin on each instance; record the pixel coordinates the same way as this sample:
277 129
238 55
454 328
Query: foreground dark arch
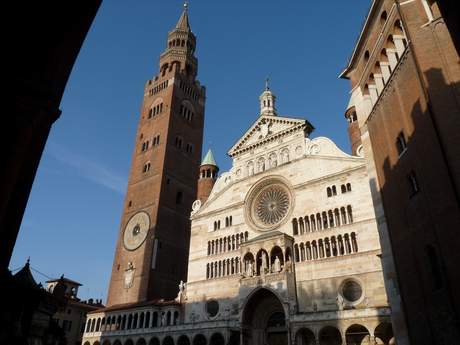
264 319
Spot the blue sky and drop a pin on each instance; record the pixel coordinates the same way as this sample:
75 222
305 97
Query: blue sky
72 218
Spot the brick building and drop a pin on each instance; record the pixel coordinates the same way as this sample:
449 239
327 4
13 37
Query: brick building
405 105
162 183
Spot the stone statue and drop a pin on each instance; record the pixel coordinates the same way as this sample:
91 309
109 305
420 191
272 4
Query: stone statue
250 269
277 264
264 263
163 319
182 291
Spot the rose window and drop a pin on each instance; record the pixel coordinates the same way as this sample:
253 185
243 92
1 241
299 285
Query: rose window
268 204
271 205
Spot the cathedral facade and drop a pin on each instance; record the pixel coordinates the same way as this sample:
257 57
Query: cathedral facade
281 249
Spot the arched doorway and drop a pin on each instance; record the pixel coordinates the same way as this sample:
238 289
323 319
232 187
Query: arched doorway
357 335
264 320
305 337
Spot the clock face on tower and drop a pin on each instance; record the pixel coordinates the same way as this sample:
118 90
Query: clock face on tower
136 230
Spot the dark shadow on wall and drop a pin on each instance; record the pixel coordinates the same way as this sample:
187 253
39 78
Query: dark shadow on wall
417 172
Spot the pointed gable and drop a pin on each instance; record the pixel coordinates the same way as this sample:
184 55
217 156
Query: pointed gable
266 129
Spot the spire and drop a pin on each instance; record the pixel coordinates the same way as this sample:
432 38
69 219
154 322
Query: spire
183 23
209 159
267 101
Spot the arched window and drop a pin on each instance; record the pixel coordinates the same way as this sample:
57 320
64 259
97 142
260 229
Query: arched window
135 321
343 188
321 248
329 192
337 217
344 215
325 222
319 222
354 243
146 167
314 248
295 229
296 252
176 318
147 320
123 322
307 224
301 226
347 244
350 214
308 251
331 219
340 244
302 252
327 247
154 319
313 223
383 17
130 321
141 320
334 246
168 318
366 56
334 190
348 187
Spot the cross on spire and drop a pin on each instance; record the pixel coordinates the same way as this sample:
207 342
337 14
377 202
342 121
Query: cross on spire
266 84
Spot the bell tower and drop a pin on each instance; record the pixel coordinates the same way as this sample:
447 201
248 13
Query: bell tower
152 249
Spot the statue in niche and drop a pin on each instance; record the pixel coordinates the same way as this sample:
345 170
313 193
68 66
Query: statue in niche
277 265
163 319
264 267
249 269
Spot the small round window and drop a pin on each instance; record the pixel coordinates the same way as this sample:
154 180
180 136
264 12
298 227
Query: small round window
352 291
212 308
